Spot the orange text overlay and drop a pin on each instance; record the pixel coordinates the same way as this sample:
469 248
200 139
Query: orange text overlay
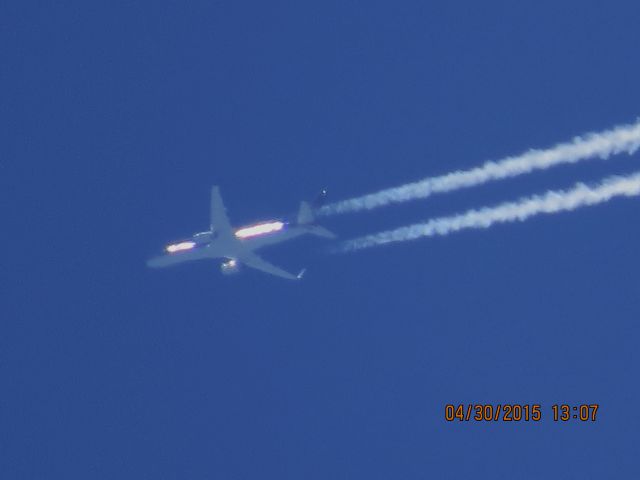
517 412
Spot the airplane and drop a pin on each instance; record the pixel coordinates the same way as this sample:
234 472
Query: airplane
237 246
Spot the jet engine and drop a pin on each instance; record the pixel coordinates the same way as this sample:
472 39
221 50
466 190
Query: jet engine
229 267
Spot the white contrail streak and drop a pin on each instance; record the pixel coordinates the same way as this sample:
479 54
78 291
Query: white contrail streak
624 138
551 202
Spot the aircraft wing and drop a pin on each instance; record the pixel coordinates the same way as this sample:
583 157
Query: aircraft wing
219 221
220 224
252 260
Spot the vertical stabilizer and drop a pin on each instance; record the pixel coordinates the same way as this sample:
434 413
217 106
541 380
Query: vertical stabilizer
305 214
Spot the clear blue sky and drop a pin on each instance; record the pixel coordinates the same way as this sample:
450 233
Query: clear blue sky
119 116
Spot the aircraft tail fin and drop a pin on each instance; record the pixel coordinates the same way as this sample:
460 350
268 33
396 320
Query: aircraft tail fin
305 214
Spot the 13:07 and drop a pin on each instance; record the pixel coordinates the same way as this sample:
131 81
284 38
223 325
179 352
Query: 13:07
583 412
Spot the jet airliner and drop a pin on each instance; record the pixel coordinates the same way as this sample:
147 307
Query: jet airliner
237 246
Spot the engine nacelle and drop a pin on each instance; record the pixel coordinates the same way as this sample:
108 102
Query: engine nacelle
229 267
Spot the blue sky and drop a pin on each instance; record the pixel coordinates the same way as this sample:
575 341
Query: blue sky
119 116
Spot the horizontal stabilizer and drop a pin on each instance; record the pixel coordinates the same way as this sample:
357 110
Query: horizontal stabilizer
321 231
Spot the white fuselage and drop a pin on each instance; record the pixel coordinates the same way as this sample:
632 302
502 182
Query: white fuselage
237 246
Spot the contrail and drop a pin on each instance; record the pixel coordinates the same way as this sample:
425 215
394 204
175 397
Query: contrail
551 202
624 138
